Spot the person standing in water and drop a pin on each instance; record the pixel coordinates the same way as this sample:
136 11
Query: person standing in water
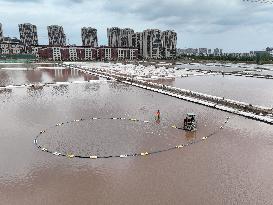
157 115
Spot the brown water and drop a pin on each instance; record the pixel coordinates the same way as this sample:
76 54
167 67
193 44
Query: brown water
30 73
251 90
232 167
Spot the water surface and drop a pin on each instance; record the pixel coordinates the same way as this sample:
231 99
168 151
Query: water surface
232 167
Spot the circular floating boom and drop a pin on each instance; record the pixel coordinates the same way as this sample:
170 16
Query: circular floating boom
143 154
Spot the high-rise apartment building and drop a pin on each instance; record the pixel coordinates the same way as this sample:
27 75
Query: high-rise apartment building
137 42
114 36
56 36
126 36
152 44
169 42
203 51
157 44
118 37
28 34
217 52
89 37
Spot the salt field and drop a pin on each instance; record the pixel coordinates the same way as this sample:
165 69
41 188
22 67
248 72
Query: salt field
227 67
251 90
256 91
232 167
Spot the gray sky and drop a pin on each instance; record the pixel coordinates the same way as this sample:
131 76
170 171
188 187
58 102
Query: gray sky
234 25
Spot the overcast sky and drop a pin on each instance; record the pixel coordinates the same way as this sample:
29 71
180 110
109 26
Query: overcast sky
234 25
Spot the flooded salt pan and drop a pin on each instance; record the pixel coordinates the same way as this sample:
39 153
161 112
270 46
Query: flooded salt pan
233 167
251 90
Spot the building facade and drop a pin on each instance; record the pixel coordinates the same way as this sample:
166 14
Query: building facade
56 35
169 42
84 53
187 51
152 45
217 52
114 36
126 37
203 51
28 34
137 42
89 37
120 37
9 46
156 44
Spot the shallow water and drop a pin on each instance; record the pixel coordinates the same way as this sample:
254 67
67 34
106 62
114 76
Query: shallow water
232 167
50 75
251 90
217 68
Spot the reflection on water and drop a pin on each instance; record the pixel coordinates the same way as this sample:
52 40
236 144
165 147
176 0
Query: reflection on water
233 167
45 75
191 136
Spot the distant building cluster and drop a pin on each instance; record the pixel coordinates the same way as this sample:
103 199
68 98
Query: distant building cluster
240 55
122 44
151 43
200 52
219 52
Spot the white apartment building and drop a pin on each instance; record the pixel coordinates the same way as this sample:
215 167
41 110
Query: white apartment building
88 54
108 53
56 53
73 53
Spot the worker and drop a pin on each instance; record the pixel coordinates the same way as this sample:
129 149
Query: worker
157 115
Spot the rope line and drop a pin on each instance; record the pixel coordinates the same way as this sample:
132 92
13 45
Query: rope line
70 155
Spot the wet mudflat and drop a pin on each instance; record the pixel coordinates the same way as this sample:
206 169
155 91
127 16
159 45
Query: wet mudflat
251 90
232 167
